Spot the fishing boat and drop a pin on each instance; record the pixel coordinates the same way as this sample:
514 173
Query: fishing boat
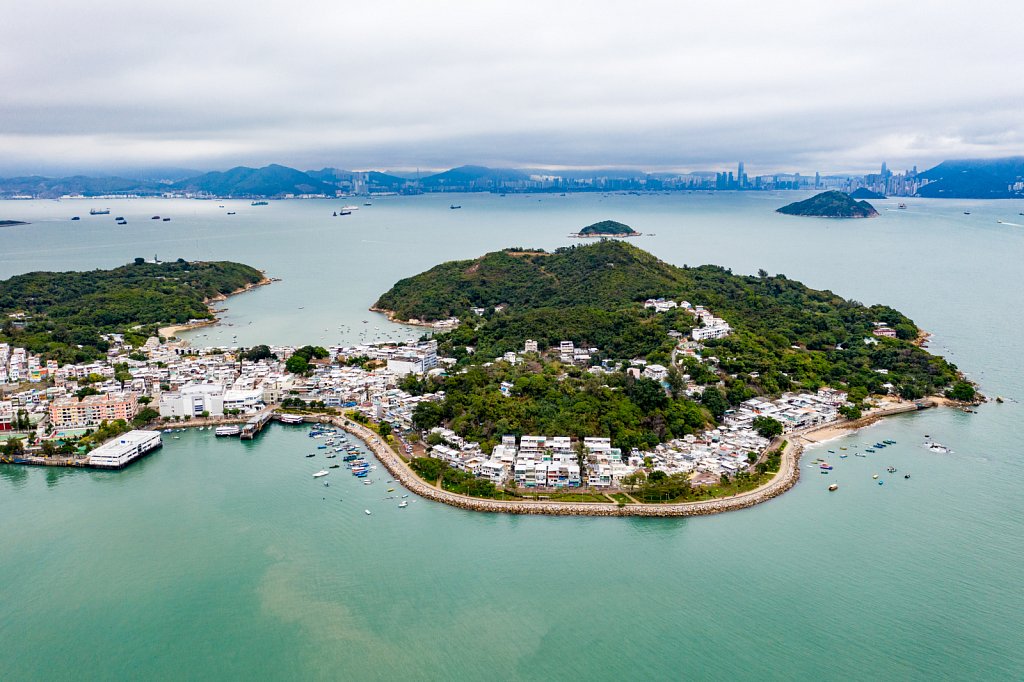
455 206
345 213
334 466
156 217
834 487
231 213
312 454
868 450
75 218
906 475
99 211
321 473
166 220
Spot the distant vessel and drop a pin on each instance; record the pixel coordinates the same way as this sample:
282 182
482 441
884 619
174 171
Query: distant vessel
367 203
902 205
403 504
344 212
259 203
455 206
166 220
291 418
321 473
967 213
231 213
834 487
368 512
99 211
937 447
349 208
122 222
156 217
76 218
231 430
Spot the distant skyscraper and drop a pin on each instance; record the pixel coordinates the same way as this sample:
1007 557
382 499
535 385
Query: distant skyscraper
741 176
817 180
885 170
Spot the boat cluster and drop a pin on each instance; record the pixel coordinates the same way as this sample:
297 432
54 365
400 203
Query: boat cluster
825 468
334 443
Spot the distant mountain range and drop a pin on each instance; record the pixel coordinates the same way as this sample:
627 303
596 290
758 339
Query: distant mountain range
980 179
976 179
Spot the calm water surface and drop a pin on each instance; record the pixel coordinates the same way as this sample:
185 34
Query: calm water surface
218 559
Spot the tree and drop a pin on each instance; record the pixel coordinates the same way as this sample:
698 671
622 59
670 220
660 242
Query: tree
851 412
256 353
13 447
675 381
86 390
767 427
716 403
961 391
384 428
297 364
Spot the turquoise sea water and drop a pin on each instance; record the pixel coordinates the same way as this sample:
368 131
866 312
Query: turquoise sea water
218 559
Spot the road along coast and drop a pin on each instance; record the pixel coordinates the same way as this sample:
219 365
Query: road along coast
786 478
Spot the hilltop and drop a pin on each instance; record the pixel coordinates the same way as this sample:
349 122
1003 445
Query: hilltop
608 228
272 180
788 334
865 193
831 204
63 314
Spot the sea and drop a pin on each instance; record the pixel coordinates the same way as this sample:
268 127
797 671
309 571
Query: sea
220 559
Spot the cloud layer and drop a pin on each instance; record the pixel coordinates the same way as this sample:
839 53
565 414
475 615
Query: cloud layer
667 85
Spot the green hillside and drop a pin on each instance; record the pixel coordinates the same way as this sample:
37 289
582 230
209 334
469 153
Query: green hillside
831 204
786 334
63 314
607 228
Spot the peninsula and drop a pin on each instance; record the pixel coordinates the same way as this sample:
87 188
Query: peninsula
607 228
831 204
68 316
10 223
635 374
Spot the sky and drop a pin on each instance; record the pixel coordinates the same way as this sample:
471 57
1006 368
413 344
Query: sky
390 84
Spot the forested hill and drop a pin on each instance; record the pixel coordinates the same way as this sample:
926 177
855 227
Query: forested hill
830 204
789 334
62 314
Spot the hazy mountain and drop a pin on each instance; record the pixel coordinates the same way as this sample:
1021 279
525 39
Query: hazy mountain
272 180
472 177
974 179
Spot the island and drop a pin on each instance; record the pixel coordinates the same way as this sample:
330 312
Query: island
620 362
69 316
10 223
865 193
832 204
607 228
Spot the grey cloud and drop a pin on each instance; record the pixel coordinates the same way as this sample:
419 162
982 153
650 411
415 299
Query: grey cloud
788 85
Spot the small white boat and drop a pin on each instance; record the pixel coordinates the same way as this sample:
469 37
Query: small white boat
321 473
403 504
368 512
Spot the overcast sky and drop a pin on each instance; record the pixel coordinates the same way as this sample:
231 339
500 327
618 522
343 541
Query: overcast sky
803 86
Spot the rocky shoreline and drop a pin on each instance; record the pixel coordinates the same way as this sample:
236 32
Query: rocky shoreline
172 330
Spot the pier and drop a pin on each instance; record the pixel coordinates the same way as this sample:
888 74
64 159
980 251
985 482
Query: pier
255 425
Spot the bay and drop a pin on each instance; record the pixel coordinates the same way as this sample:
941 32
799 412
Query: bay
215 558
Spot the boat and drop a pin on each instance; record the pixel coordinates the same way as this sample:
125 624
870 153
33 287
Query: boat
99 211
259 203
166 220
834 487
391 490
312 454
906 475
869 450
902 205
937 447
334 466
999 399
874 476
967 213
367 203
349 208
120 217
827 467
321 473
368 512
345 213
403 504
326 484
290 418
881 482
122 222
455 206
75 218
156 217
229 430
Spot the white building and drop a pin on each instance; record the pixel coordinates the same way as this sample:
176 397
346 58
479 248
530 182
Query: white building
192 401
124 449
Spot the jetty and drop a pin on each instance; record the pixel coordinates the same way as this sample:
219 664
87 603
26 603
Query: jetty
254 426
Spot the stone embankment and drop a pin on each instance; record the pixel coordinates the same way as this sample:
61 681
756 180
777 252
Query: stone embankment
788 474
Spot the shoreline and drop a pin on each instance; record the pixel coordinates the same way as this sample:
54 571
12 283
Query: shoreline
786 477
172 330
393 317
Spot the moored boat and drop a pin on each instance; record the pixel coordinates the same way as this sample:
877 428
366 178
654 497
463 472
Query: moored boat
321 473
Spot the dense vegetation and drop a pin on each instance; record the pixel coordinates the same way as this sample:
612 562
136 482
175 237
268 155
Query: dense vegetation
63 314
831 204
786 336
606 227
